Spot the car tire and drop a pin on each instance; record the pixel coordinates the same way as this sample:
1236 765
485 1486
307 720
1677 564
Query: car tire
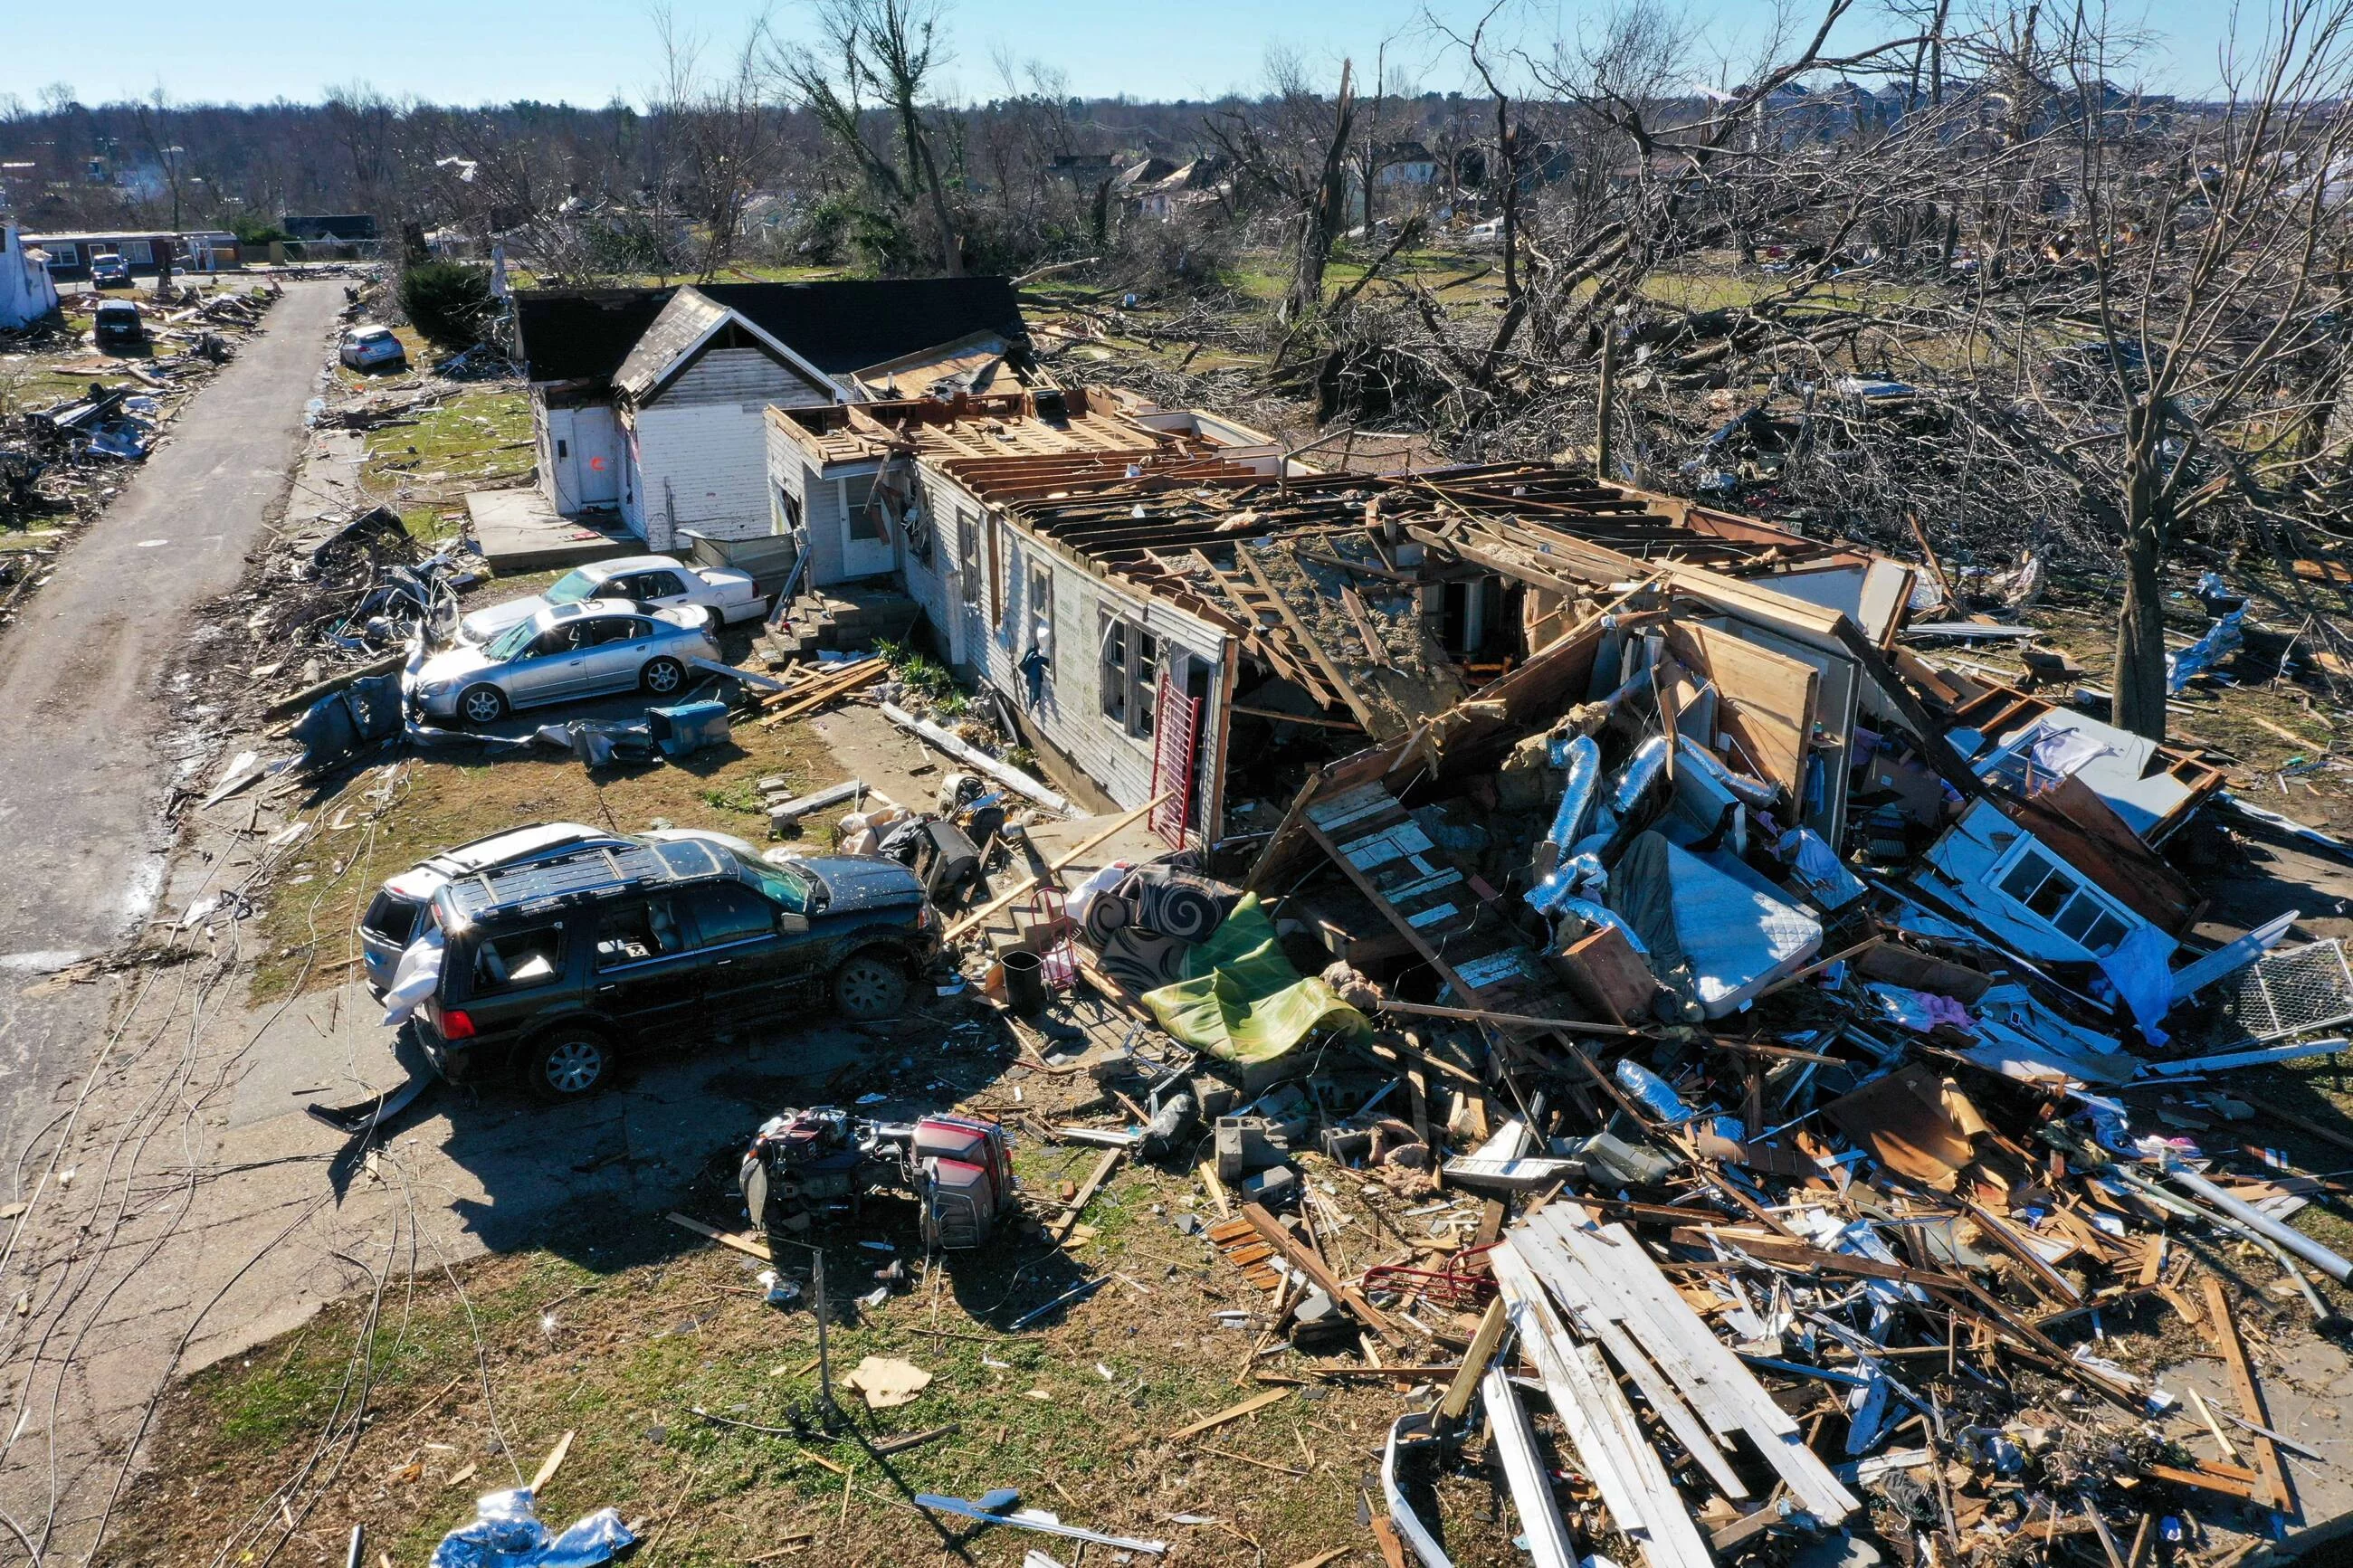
662 678
481 704
870 985
570 1062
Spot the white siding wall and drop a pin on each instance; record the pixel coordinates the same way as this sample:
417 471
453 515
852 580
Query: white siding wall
633 478
546 424
1071 717
932 584
702 466
740 376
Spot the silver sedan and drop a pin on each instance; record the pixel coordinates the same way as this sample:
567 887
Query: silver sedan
563 653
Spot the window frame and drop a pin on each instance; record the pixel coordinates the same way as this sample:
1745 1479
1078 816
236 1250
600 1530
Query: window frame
2084 891
686 936
1038 607
704 941
852 520
559 963
968 558
1115 687
1130 659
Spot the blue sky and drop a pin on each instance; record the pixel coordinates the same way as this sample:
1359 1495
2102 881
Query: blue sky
588 50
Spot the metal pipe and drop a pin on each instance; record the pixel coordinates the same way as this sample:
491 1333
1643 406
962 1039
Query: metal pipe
2255 1219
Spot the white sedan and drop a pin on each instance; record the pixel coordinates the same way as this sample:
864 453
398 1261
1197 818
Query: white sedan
652 582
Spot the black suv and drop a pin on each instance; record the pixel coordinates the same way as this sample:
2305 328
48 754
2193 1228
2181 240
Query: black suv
550 968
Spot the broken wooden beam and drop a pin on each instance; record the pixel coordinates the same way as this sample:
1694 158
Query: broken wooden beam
1296 1254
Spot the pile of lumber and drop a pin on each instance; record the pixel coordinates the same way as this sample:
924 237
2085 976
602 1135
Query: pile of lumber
810 687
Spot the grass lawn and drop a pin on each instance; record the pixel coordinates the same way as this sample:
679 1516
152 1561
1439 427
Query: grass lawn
325 886
478 438
636 1324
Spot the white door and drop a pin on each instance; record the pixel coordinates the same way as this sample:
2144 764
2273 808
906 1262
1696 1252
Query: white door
596 457
866 548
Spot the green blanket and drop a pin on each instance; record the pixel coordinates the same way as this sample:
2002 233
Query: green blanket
1243 1002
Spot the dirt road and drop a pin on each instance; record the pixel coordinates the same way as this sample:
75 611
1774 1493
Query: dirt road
89 753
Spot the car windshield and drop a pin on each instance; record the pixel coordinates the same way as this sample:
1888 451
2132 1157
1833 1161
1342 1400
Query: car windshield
781 886
572 587
513 641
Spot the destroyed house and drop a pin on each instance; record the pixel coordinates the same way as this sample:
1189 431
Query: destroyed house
1176 622
649 401
843 480
926 492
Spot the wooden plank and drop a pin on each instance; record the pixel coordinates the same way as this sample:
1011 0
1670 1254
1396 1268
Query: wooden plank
1778 1249
1209 1174
1512 1438
1628 1286
1315 649
2053 1284
2201 1481
1501 1020
2273 1492
1767 699
1059 1229
1231 1413
740 1241
1617 1453
1307 1263
1374 648
1474 1361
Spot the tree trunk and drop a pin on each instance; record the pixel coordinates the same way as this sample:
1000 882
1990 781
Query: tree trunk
2140 620
951 242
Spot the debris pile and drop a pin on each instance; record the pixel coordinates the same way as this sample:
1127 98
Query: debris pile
65 458
1757 1080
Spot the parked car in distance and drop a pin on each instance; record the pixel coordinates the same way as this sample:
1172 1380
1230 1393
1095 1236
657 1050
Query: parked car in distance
395 916
551 968
371 348
563 653
117 324
650 582
108 271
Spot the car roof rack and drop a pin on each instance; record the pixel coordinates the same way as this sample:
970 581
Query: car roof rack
596 872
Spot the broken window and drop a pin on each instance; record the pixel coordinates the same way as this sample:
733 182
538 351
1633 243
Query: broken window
968 558
1128 672
633 934
2053 896
1113 674
515 960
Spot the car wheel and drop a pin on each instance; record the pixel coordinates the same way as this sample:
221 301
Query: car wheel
567 1063
483 704
870 985
662 677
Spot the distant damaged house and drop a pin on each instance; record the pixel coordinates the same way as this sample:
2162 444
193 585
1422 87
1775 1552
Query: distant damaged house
650 401
26 291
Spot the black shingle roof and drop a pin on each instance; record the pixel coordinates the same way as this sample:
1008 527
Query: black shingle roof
838 326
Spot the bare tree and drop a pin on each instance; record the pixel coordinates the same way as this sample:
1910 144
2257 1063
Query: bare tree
1296 149
2202 291
720 138
890 48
